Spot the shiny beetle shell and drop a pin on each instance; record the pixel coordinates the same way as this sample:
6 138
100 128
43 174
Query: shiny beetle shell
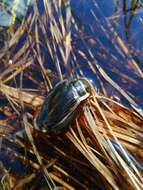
60 105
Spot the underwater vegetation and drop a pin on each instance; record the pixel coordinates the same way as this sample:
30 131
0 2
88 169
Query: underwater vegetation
71 101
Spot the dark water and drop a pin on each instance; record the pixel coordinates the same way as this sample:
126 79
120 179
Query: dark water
98 21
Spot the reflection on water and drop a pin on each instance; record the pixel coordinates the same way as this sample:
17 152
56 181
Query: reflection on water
129 17
105 36
100 23
10 9
107 33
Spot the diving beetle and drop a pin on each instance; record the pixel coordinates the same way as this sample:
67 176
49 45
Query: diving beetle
61 105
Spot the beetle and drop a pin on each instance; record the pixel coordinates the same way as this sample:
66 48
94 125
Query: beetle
61 105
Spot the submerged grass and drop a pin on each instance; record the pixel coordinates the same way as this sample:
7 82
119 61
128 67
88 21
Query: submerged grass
84 157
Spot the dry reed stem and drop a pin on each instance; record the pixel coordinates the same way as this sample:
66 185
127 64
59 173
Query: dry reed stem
103 119
30 99
103 131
